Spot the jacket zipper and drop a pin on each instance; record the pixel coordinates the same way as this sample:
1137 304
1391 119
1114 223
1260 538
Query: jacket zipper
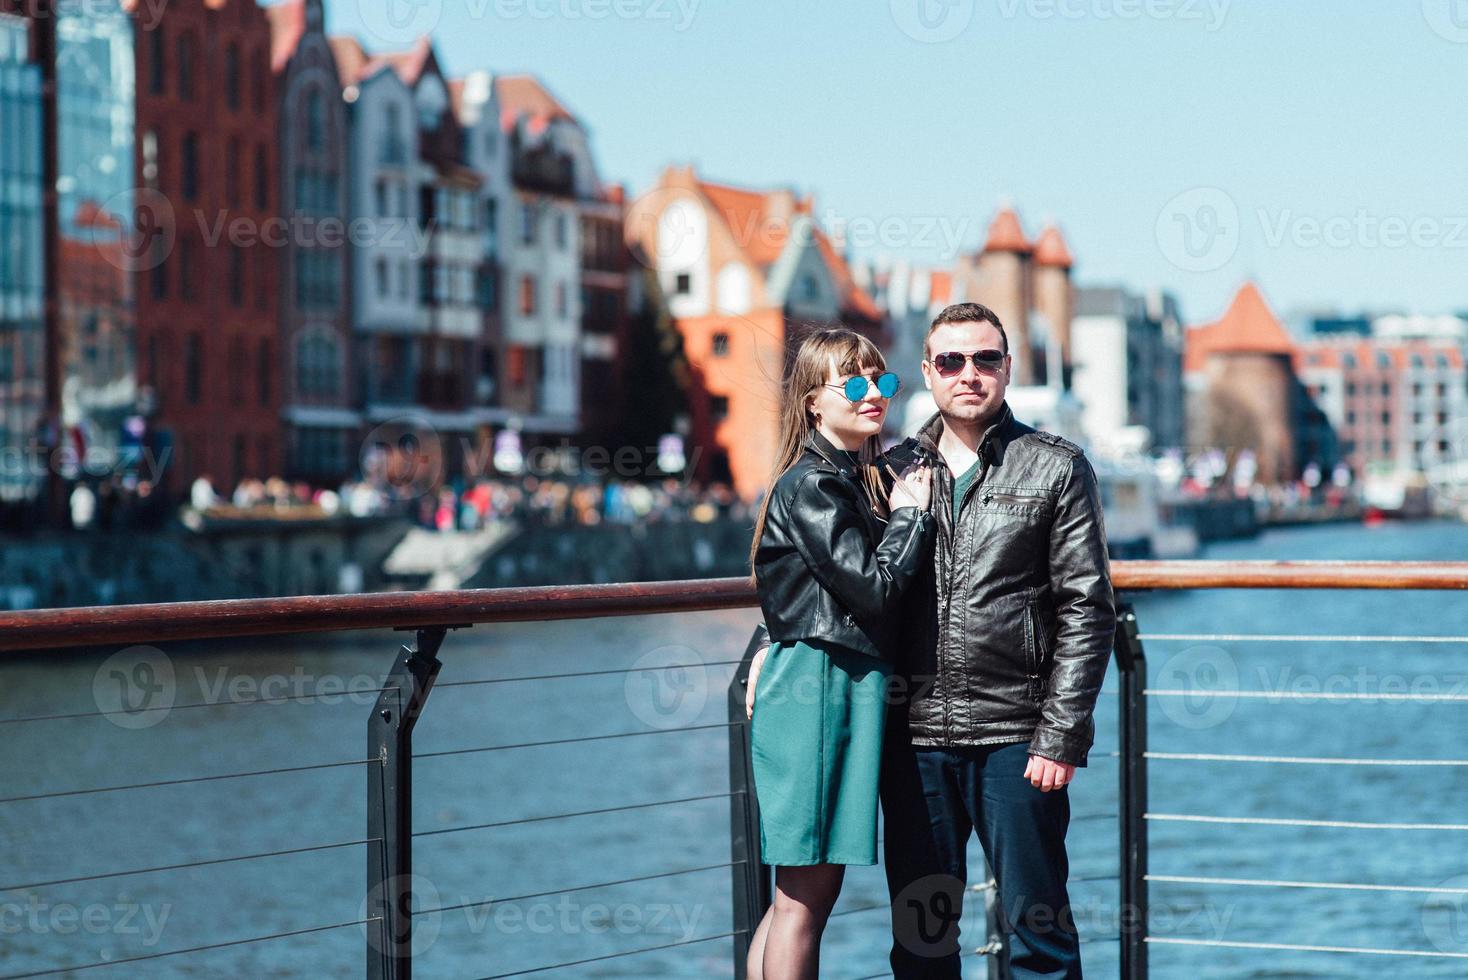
1012 498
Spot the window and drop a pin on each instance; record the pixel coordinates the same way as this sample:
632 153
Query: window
232 76
809 288
560 230
263 366
232 195
721 344
238 358
719 407
491 226
191 368
189 167
527 224
561 300
160 279
262 178
682 284
236 277
380 189
382 284
157 61
186 67
527 295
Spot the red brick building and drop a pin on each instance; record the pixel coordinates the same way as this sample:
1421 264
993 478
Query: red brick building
207 317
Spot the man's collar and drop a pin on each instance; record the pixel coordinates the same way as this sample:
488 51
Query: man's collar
993 440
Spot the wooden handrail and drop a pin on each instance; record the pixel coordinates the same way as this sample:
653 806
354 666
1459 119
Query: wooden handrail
44 629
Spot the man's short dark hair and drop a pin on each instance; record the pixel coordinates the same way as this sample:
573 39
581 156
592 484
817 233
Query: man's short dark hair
969 313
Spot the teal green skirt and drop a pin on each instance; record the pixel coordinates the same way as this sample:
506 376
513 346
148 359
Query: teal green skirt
819 715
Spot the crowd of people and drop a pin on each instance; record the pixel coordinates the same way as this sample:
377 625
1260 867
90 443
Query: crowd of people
471 504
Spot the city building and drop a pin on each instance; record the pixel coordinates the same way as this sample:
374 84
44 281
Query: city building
208 300
553 182
96 75
1396 405
1243 394
319 420
746 274
22 272
1126 365
417 270
484 152
1028 284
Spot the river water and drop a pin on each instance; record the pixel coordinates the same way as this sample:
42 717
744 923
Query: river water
478 876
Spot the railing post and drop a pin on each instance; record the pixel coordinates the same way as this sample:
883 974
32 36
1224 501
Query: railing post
390 806
751 879
1132 666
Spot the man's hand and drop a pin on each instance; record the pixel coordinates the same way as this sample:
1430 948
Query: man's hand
1047 774
754 668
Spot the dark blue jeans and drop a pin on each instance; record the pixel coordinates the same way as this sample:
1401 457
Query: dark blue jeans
932 802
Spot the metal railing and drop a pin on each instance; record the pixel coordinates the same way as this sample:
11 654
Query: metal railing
402 698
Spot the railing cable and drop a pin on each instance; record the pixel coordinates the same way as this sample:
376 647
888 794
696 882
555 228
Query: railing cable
572 741
188 864
1302 948
578 813
192 949
180 782
1288 822
610 956
1282 883
578 888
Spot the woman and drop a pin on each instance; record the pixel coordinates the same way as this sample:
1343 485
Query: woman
832 555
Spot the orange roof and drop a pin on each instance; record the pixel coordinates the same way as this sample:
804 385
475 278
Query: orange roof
287 27
456 96
746 212
1006 233
853 297
1247 327
1050 249
524 95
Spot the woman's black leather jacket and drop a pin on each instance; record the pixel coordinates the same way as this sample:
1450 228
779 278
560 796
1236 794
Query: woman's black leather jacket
828 567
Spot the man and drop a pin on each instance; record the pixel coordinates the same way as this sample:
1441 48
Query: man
1006 644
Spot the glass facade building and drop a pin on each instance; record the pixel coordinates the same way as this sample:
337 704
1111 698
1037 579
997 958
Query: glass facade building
22 281
97 118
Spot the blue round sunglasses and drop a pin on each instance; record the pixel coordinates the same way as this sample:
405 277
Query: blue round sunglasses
856 388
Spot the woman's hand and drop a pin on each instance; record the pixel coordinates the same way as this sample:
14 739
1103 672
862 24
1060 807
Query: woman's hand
755 666
914 488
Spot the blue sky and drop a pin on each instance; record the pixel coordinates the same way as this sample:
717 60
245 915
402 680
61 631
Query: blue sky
1317 147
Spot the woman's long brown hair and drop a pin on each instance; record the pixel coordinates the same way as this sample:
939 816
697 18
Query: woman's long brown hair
851 353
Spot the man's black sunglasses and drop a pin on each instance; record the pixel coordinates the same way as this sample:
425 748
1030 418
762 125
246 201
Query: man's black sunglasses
951 362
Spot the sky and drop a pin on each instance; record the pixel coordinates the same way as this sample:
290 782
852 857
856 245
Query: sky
1316 147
